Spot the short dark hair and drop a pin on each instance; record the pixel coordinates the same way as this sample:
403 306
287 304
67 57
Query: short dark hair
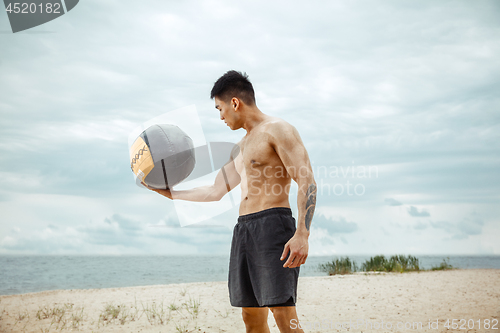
234 84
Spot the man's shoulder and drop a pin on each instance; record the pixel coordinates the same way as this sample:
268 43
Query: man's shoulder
278 126
282 133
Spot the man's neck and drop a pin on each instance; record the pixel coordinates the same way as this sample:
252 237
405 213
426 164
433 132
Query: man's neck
253 117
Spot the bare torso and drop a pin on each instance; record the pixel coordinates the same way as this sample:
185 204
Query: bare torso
265 182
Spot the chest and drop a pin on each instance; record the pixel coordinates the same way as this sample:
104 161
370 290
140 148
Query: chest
257 151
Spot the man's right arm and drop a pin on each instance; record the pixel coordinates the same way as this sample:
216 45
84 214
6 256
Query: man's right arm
227 179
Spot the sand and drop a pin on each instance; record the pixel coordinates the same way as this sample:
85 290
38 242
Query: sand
360 302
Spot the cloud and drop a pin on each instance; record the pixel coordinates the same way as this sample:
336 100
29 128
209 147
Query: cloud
124 223
339 226
470 225
392 202
418 101
420 226
413 211
117 234
115 230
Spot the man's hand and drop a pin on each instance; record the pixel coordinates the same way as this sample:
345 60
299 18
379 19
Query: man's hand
298 246
165 193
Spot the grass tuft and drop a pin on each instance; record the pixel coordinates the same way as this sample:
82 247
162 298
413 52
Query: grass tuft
339 266
192 307
223 315
111 313
396 263
181 327
156 314
443 266
59 317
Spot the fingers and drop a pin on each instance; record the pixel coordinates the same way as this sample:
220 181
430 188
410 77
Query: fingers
285 251
146 185
295 260
150 188
302 261
289 261
166 193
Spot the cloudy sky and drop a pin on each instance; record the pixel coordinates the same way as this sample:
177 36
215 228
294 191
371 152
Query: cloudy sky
395 102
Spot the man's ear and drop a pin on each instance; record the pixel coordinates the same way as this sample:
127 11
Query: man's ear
235 103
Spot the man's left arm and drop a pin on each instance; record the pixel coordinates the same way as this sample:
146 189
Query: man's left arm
290 148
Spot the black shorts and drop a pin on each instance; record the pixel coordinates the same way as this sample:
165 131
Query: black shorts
257 277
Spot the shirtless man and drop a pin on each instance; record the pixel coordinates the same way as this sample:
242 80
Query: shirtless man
270 155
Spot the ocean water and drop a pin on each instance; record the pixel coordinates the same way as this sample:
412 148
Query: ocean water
25 274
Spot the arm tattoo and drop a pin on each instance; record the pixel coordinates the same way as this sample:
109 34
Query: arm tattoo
310 205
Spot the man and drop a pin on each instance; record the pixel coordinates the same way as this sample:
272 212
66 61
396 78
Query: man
270 155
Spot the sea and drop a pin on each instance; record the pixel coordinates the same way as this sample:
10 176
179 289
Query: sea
20 274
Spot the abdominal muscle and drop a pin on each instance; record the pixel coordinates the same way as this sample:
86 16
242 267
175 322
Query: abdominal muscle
260 193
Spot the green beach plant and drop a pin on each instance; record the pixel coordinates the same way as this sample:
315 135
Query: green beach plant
110 314
156 314
193 307
77 319
43 313
342 265
379 263
60 315
445 265
223 315
123 316
22 315
181 327
135 313
375 264
396 263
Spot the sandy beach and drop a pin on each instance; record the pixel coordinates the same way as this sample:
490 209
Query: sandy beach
360 302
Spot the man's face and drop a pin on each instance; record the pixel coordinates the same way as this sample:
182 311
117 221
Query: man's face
226 112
